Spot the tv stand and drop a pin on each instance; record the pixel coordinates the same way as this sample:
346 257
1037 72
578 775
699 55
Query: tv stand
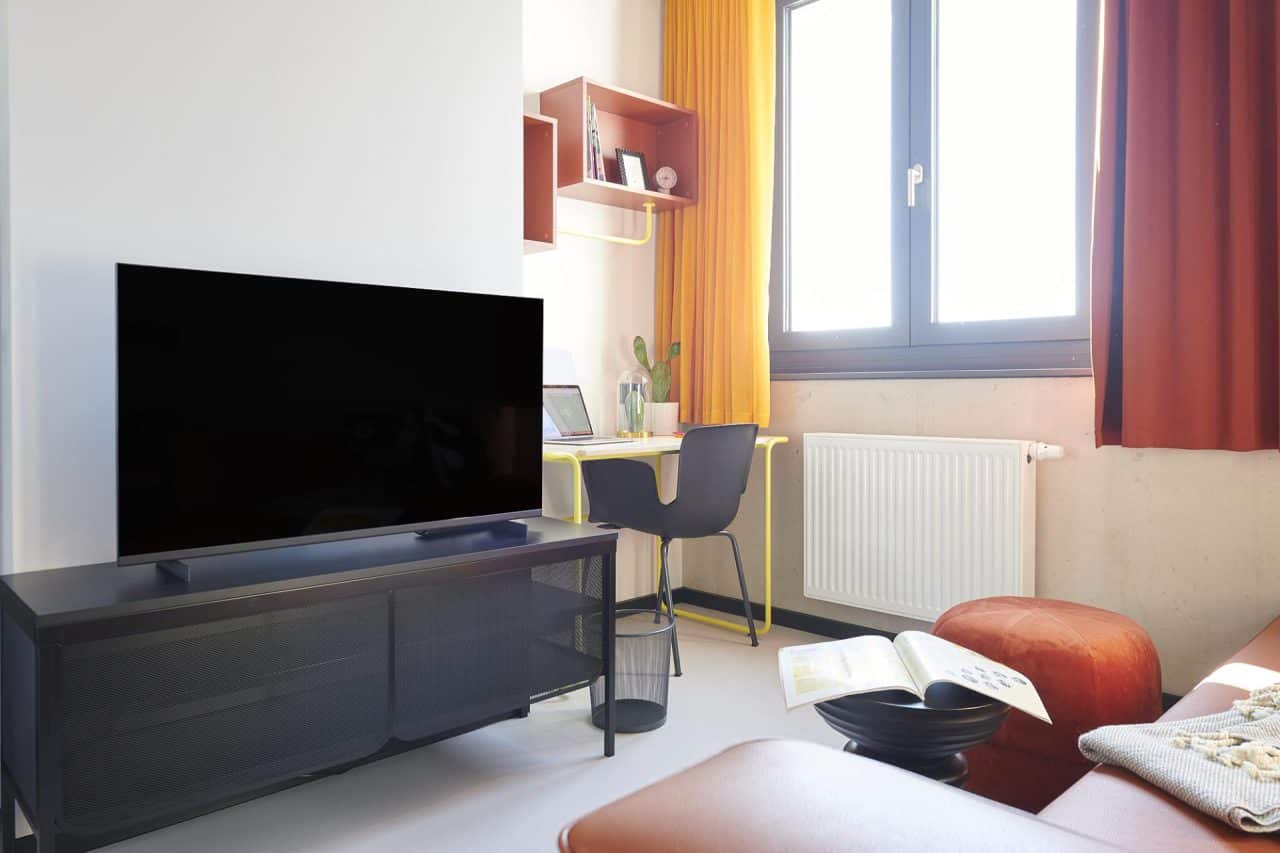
178 568
507 529
229 565
129 702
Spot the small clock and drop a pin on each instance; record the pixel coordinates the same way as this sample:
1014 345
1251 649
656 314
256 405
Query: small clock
665 178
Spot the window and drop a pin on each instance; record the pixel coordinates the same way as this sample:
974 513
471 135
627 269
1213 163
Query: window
933 187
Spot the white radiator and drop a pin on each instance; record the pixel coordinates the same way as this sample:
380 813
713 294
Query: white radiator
912 525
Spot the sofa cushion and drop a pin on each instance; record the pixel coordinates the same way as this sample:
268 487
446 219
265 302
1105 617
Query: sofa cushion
792 796
1114 804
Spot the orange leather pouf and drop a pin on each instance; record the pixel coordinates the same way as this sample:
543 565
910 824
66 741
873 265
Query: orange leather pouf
1092 668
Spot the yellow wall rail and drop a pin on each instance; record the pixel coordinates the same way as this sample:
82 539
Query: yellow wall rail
624 241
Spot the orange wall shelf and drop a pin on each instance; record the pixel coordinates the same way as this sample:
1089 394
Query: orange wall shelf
539 183
667 135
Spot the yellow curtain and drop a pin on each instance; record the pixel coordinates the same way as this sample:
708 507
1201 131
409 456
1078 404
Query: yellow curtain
713 257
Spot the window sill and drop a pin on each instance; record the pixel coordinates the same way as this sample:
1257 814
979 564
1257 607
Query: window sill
953 361
932 374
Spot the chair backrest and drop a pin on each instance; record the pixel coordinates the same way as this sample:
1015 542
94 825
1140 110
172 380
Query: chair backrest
715 462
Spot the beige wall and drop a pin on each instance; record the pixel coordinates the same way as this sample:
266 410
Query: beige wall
1185 542
598 296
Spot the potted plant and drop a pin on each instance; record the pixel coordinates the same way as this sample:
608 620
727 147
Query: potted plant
666 415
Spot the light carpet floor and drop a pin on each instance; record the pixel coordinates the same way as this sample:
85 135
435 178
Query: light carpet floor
512 786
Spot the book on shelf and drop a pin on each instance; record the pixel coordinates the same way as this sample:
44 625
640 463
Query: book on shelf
913 661
599 156
595 154
591 138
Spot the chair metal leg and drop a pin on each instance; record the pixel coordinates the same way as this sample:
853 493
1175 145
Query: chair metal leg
664 584
742 582
661 596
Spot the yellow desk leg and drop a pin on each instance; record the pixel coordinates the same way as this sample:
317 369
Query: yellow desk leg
572 459
576 518
577 490
768 540
768 558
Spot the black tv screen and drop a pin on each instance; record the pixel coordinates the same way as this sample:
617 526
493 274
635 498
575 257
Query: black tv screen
256 411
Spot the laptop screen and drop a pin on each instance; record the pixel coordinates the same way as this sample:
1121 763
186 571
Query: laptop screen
565 407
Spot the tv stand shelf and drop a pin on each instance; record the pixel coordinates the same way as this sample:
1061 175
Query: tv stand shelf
133 700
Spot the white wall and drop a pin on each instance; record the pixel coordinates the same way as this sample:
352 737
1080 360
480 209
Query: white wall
374 141
1184 542
6 268
598 295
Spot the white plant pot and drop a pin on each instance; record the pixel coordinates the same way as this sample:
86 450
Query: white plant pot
665 418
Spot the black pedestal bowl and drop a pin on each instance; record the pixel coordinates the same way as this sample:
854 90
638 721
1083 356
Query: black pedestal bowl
895 727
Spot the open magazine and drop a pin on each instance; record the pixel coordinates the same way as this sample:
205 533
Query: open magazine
913 661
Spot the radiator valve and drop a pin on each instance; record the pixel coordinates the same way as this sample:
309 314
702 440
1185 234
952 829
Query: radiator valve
1049 451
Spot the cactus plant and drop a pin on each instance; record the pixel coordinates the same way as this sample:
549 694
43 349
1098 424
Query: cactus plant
659 371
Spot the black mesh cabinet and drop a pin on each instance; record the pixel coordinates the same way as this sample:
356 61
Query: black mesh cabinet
130 700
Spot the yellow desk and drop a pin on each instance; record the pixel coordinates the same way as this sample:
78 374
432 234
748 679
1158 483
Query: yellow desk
657 447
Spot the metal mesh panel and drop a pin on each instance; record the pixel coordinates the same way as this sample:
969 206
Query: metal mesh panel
175 719
566 602
109 678
461 652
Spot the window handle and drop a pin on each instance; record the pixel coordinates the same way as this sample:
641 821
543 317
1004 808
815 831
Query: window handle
915 177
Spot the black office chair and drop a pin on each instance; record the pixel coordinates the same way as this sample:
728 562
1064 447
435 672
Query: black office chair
714 464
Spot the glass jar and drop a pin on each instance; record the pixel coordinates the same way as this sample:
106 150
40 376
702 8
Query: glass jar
633 403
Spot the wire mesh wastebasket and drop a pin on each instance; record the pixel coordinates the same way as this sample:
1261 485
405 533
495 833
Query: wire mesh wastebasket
642 659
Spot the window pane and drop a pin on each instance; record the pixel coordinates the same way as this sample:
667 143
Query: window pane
1006 159
841 138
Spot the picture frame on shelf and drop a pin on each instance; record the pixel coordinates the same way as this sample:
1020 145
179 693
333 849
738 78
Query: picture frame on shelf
633 173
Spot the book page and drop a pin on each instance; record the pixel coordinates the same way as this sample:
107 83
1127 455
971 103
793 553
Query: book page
822 671
931 659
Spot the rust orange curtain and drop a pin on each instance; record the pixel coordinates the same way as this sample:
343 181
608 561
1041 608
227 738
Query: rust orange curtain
1185 273
713 257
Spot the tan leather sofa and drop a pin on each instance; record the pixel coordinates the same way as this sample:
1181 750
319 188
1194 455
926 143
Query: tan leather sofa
805 797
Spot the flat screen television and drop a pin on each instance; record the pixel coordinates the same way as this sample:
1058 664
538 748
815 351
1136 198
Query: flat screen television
255 411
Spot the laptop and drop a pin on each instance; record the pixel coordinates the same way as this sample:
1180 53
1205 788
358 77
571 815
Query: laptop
564 407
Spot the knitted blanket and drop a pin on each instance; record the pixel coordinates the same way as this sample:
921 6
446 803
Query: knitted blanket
1226 765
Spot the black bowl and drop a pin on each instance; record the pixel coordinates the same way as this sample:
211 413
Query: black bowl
896 724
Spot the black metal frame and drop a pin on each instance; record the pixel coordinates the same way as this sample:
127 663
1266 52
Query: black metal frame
622 169
49 609
610 640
